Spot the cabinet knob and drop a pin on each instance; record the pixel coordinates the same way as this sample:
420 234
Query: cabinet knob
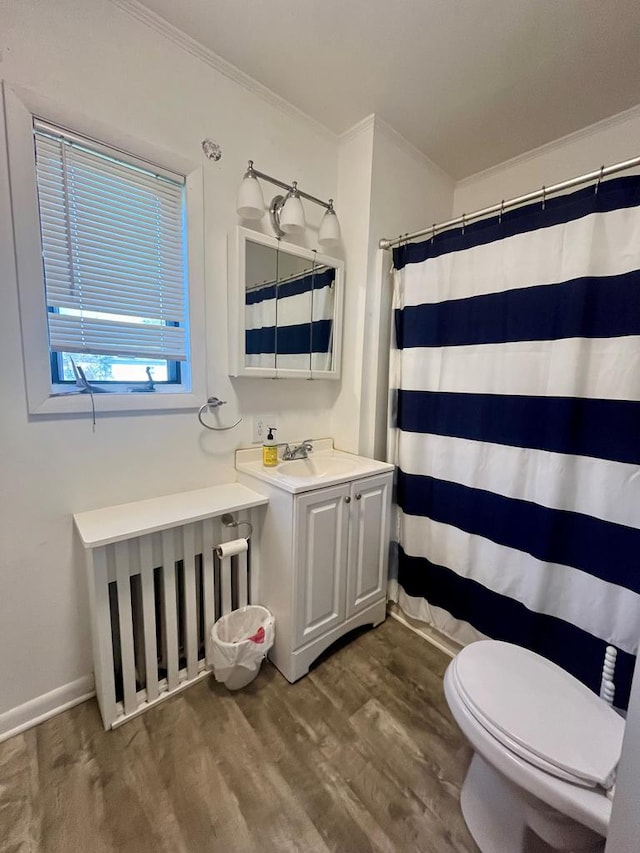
358 497
347 499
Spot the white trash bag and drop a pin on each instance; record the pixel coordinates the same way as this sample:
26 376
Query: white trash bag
238 644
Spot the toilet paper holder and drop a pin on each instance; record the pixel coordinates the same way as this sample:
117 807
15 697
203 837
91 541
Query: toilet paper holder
229 521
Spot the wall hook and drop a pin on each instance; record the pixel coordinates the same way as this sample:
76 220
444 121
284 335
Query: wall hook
214 403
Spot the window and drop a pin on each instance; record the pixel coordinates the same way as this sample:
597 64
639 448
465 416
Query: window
113 252
110 262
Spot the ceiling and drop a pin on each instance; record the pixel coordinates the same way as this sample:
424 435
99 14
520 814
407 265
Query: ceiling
469 82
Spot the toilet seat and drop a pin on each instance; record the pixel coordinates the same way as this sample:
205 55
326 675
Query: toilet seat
540 712
512 745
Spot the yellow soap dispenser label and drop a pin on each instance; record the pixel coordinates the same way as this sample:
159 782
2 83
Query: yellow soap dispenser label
270 450
269 456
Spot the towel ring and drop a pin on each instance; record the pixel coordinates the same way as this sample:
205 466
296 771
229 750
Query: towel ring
214 403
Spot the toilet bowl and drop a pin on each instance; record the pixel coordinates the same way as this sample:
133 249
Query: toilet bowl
545 751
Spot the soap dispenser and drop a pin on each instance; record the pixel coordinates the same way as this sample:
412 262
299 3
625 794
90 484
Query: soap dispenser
270 449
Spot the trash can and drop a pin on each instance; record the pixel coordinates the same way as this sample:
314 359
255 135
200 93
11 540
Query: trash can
238 644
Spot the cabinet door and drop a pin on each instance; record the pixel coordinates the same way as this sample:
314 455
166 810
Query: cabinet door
321 532
368 542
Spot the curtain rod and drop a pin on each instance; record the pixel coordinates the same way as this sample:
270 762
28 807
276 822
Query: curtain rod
599 174
292 277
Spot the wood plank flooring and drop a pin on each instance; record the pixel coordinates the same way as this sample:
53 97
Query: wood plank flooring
360 756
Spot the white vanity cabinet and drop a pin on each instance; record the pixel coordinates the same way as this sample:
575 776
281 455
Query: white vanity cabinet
322 563
341 543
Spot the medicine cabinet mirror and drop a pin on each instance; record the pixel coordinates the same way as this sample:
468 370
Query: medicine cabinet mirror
286 309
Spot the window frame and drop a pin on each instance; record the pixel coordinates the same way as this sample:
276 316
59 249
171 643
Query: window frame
20 109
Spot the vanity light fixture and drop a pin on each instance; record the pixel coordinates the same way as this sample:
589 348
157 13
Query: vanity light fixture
285 211
250 199
292 213
329 234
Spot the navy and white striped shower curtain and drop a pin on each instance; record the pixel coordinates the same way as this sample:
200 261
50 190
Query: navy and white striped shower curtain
515 383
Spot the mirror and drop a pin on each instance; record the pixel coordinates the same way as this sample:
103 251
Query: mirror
288 310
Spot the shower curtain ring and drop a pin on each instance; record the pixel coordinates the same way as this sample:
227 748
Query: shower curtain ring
501 212
544 196
600 178
464 222
433 232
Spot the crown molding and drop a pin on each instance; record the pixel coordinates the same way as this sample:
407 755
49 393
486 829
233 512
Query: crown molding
575 136
375 124
409 148
190 45
364 125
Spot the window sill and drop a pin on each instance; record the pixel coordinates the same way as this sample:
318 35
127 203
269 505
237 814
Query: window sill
112 402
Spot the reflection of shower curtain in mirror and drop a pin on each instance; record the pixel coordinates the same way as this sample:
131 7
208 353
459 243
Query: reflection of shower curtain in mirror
290 325
516 385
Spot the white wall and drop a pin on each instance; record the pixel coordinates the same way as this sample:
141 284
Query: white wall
385 187
624 828
408 191
132 72
353 204
607 142
92 55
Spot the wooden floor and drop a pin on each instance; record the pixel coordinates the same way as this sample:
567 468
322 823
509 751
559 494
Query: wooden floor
361 755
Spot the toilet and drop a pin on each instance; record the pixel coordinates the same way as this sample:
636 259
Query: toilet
545 751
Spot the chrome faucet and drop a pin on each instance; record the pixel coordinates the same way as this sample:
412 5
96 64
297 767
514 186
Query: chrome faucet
299 451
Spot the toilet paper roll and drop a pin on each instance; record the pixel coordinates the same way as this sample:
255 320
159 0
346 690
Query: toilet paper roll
229 549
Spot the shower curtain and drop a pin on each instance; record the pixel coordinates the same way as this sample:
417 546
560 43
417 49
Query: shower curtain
290 324
515 428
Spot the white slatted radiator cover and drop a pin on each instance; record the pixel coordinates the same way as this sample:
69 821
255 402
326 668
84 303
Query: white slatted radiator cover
156 588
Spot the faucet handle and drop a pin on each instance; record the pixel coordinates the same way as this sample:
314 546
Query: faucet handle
308 444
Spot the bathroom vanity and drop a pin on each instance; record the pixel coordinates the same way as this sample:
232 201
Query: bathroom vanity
323 548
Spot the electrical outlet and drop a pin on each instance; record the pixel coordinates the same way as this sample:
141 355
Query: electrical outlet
260 425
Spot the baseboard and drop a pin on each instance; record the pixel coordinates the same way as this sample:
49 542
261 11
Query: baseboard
431 635
43 707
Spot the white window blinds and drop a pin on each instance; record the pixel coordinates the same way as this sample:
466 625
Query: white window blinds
113 250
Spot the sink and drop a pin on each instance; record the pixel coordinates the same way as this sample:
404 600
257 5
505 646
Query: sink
327 465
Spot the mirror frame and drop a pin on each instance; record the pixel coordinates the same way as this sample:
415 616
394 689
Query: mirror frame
236 302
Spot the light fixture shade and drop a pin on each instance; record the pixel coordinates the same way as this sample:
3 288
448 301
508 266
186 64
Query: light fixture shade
292 215
329 234
250 199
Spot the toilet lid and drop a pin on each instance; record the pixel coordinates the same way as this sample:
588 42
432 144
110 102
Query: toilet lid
539 711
